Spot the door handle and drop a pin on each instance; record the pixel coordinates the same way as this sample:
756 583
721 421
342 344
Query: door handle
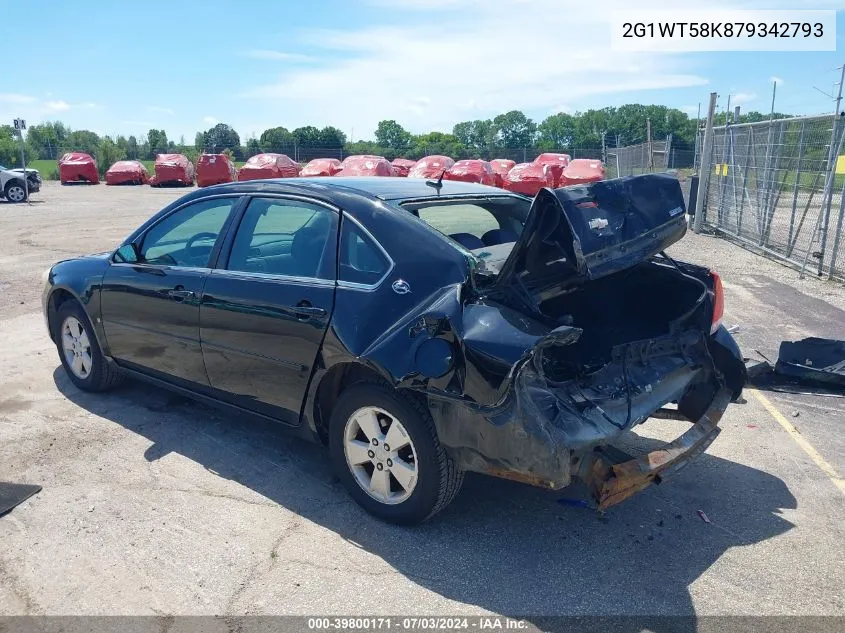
304 310
180 294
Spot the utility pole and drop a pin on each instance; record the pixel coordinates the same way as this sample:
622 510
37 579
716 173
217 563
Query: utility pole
736 114
706 151
20 126
603 148
650 148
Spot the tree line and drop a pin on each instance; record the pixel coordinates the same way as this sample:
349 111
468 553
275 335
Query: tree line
582 132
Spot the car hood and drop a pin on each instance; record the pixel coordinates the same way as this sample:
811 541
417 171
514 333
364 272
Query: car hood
19 170
579 233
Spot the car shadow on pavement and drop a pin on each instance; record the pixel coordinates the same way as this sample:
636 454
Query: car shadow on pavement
505 547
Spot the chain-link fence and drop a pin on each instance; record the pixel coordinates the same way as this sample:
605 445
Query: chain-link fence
638 159
775 186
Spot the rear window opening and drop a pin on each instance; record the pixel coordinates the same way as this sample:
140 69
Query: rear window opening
475 223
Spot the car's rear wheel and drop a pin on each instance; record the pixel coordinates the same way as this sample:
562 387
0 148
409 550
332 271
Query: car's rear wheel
15 192
386 452
79 351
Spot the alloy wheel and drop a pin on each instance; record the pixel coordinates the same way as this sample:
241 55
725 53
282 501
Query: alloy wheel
77 348
380 455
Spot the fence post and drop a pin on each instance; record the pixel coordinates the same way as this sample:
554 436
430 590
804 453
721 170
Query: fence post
744 182
827 198
705 166
797 181
838 233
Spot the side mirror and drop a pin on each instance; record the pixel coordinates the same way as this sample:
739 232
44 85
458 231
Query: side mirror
127 254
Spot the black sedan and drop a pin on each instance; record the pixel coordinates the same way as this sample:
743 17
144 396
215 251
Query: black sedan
418 328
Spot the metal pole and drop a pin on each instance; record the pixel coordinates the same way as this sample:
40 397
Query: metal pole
23 164
736 114
795 187
838 233
831 171
705 165
744 183
727 110
650 147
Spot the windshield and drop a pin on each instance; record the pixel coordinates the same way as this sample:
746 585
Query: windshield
475 224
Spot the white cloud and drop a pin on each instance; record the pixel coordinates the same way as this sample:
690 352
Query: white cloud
476 60
280 56
210 120
776 80
12 97
741 98
57 106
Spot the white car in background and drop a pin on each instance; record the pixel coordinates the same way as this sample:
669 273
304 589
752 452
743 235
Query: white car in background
12 186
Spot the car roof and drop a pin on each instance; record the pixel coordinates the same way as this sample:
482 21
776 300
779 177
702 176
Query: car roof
381 187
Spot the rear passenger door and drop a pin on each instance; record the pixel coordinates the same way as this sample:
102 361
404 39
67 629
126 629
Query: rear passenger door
266 307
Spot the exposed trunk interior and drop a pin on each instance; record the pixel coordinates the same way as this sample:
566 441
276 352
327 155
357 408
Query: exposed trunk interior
635 304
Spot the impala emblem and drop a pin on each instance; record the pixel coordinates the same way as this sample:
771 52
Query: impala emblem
401 287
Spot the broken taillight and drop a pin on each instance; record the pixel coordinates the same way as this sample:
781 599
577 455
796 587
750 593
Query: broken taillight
718 302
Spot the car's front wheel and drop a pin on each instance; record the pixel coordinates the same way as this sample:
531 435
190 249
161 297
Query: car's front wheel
15 191
385 450
79 351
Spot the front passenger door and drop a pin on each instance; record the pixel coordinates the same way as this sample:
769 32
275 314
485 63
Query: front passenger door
266 308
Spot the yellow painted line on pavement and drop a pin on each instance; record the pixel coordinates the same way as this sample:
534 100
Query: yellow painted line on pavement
799 439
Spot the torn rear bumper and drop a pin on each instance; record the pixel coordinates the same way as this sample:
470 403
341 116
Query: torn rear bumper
612 480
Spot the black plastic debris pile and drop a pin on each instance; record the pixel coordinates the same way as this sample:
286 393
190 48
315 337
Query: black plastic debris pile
811 365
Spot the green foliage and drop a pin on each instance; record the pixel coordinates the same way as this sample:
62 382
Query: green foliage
437 143
220 138
156 144
82 141
307 136
332 137
392 135
278 140
478 137
48 140
515 129
556 132
10 148
107 154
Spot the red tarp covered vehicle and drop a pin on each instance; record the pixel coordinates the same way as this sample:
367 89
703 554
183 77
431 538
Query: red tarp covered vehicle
472 170
501 167
581 171
402 166
558 163
127 172
172 169
365 166
214 169
321 167
269 166
529 178
78 167
430 166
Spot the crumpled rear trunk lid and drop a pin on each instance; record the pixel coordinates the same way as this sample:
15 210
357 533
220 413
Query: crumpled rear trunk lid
580 233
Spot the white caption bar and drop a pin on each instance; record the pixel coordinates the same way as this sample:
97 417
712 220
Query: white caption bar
691 30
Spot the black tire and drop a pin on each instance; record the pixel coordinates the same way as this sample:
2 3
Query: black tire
103 375
17 189
438 478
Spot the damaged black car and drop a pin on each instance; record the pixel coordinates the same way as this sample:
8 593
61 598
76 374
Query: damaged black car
419 329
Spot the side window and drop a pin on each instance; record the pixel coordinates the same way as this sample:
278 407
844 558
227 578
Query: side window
186 237
285 237
361 261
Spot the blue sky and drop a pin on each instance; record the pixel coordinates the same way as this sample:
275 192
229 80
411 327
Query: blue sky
120 67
